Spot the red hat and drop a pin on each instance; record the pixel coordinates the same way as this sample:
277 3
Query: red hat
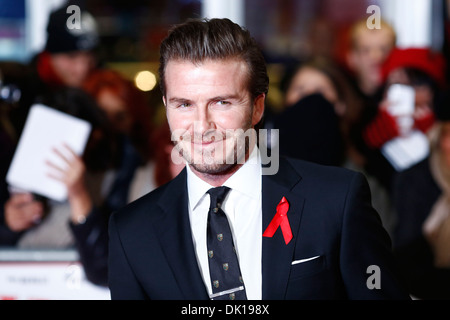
433 63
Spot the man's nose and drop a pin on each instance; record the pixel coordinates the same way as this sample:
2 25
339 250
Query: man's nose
377 56
203 121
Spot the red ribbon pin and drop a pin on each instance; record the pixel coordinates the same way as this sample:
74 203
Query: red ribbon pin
280 219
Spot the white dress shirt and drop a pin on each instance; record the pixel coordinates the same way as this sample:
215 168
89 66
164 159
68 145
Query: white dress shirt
242 206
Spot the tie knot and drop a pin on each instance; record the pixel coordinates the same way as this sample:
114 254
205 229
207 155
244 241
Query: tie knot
217 195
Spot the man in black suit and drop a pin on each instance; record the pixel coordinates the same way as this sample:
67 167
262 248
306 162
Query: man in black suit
302 231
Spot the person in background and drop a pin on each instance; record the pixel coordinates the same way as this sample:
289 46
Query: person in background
323 76
65 62
129 176
9 96
368 50
131 119
317 76
32 221
53 78
309 130
423 70
421 195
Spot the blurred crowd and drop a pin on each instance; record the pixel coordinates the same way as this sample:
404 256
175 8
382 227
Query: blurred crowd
333 114
127 154
347 114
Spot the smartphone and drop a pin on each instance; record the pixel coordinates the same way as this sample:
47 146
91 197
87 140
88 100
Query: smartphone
401 104
401 99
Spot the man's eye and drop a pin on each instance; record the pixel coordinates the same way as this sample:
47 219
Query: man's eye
222 102
184 105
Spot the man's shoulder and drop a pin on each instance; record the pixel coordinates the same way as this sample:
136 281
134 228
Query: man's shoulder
315 181
318 172
324 181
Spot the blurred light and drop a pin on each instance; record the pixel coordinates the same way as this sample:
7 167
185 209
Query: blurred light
145 80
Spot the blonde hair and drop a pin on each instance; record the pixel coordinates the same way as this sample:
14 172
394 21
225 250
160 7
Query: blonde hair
361 26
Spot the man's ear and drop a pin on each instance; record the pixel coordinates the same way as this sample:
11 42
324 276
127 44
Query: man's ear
164 101
258 108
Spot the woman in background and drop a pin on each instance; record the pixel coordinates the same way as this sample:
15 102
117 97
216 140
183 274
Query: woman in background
331 119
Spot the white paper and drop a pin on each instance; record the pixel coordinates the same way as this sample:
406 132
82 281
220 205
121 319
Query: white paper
45 129
404 152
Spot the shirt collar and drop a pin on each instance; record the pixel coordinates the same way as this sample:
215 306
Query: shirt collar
196 187
246 180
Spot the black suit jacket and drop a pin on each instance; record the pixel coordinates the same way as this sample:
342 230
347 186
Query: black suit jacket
152 254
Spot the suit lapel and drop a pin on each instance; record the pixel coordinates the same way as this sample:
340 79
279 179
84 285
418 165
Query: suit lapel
276 255
175 235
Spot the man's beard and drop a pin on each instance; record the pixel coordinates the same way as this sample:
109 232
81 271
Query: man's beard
230 149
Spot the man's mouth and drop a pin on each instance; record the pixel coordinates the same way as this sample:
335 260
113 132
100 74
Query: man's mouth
205 141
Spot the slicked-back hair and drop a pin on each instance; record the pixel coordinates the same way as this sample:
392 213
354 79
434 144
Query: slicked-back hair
215 39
